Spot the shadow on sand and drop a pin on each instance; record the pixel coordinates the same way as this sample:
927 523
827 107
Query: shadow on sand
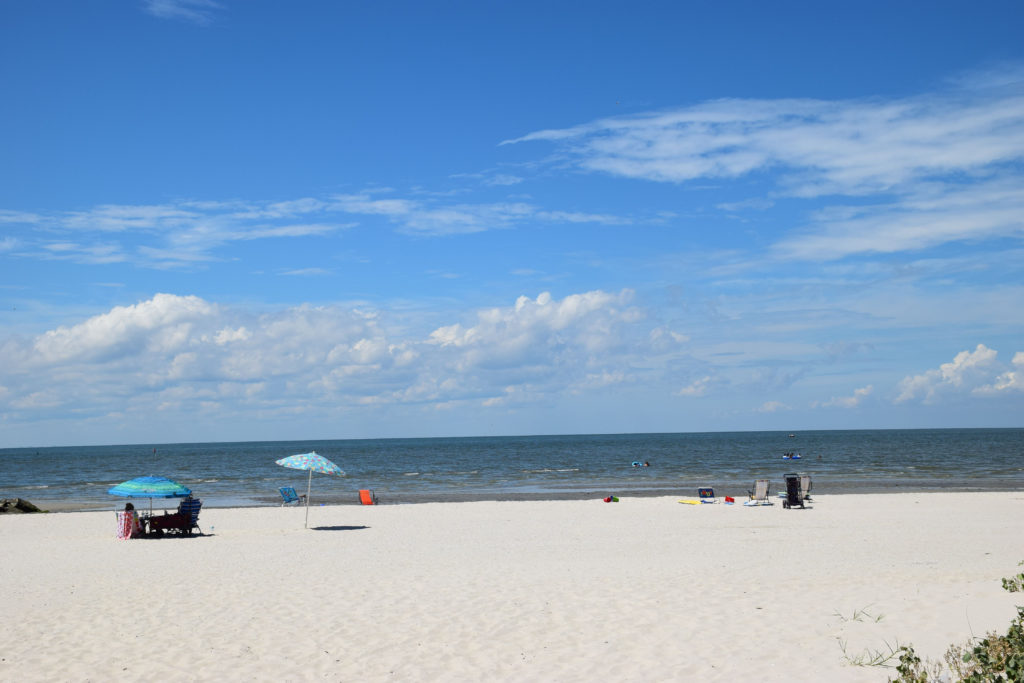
339 528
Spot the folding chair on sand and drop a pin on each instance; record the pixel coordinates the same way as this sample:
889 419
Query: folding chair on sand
189 508
759 496
794 494
706 494
368 497
805 486
288 495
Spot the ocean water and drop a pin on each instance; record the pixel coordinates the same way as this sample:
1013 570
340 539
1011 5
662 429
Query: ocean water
525 467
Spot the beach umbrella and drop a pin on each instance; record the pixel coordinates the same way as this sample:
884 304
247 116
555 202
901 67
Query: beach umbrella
314 463
150 487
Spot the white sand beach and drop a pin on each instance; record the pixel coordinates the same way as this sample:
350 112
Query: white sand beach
640 590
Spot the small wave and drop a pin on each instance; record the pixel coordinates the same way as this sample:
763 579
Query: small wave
207 481
411 474
41 486
549 469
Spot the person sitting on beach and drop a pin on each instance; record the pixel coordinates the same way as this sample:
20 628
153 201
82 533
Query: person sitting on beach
188 506
136 526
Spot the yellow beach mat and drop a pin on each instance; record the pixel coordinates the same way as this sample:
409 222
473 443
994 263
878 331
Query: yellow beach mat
688 501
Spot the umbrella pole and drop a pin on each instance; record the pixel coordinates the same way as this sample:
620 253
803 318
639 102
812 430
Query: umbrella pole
309 487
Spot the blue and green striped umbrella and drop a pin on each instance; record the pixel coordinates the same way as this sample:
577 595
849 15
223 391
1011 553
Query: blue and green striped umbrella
150 487
313 462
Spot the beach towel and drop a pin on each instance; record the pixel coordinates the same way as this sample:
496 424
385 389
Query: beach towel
127 524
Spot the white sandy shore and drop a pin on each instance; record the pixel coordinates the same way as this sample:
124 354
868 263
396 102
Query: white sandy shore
640 590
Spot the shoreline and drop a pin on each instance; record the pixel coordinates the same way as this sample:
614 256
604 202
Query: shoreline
569 590
330 499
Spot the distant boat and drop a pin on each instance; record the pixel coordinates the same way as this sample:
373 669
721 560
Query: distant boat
792 436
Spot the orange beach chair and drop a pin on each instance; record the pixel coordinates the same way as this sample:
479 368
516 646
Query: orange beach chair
367 497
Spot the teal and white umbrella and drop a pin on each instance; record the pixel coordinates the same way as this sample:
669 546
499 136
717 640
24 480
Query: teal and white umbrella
314 463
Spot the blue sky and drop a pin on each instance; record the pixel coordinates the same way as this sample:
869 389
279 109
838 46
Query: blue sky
264 220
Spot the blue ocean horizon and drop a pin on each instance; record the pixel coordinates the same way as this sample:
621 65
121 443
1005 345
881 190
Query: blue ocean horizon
411 470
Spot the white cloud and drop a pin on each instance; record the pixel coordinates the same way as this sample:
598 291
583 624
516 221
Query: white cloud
698 387
772 407
1011 380
188 233
432 218
80 253
118 218
664 339
925 170
933 214
19 217
124 328
579 217
305 272
167 236
534 329
168 352
503 179
821 147
976 372
199 12
848 401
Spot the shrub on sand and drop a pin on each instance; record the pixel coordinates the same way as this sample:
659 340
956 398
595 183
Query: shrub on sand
994 658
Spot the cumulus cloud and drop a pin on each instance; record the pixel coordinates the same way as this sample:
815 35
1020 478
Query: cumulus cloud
1011 380
537 332
169 352
123 329
975 372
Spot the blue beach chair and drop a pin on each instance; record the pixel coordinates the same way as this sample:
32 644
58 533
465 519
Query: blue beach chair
706 494
288 495
189 508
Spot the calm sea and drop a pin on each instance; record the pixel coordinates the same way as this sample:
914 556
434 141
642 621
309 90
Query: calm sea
524 467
